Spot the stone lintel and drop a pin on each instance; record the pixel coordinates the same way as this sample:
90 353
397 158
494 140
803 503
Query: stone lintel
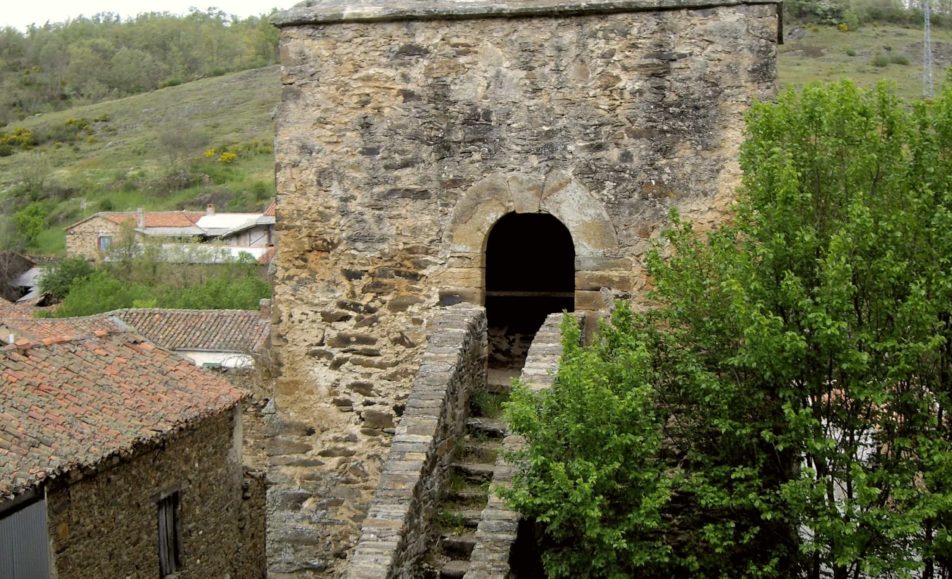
331 11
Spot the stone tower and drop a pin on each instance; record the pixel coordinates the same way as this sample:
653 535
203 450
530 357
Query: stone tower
521 154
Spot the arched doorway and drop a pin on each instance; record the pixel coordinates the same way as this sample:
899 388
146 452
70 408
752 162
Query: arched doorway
530 273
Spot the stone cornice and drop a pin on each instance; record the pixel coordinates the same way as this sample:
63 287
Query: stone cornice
331 11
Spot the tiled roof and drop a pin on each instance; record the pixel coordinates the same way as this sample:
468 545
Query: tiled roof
202 330
150 219
39 329
158 218
72 403
11 311
270 209
268 256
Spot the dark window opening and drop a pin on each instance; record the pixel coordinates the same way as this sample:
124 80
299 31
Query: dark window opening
170 540
530 273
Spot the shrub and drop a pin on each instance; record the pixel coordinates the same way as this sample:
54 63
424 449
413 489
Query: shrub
59 279
30 221
242 293
227 158
901 59
880 60
850 52
100 292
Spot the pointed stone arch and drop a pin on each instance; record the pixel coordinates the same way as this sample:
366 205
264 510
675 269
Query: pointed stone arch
556 193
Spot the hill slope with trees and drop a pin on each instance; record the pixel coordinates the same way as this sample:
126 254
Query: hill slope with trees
209 140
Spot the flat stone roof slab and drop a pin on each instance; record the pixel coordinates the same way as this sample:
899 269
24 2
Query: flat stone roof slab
330 11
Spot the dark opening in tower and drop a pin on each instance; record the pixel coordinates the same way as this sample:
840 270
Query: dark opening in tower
530 273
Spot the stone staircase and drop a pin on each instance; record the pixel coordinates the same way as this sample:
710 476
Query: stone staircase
467 493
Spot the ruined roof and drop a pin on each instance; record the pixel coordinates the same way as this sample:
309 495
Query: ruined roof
327 11
200 330
72 403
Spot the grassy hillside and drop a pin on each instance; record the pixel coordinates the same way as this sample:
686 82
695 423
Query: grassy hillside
153 150
866 56
158 150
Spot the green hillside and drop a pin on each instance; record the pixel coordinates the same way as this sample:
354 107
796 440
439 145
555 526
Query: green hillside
208 141
866 56
164 149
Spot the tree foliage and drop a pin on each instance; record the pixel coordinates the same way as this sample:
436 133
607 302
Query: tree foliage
55 66
784 411
141 278
856 12
59 279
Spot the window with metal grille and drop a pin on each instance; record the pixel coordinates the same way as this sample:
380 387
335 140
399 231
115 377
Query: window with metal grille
170 541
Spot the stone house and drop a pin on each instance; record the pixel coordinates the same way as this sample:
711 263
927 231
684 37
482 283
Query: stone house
178 233
94 235
523 155
119 459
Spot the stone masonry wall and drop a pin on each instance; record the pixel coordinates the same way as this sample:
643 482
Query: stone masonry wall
83 239
498 525
106 524
398 528
400 143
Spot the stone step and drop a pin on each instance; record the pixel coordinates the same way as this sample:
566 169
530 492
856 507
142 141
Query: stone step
467 496
486 427
480 450
460 546
474 472
468 517
454 569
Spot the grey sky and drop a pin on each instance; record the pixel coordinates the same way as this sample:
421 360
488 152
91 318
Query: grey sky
21 13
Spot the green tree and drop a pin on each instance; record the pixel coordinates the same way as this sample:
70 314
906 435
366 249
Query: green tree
797 372
100 292
59 279
30 221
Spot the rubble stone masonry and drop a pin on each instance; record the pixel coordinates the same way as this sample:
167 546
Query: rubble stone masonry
406 132
399 526
105 524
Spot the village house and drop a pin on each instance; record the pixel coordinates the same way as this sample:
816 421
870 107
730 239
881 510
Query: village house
119 459
178 233
227 342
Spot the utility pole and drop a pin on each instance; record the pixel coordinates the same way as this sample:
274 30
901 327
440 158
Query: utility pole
928 87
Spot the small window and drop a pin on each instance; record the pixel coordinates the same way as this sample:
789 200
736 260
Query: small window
104 242
170 540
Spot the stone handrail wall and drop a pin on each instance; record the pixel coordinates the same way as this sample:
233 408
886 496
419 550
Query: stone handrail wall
498 526
397 529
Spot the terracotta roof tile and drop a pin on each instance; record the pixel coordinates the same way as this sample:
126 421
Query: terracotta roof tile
201 330
41 329
270 210
73 403
268 256
157 218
